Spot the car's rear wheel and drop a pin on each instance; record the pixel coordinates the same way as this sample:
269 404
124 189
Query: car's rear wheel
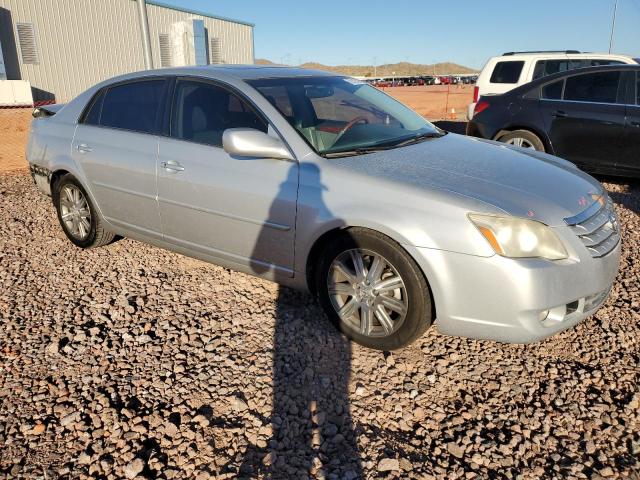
78 217
373 290
523 139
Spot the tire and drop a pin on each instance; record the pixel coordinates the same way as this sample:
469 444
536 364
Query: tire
524 139
79 213
412 311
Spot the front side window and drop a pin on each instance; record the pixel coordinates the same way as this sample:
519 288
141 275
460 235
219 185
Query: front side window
338 114
599 87
133 106
203 111
507 72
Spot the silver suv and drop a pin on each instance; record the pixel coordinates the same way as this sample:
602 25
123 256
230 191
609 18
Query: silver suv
321 182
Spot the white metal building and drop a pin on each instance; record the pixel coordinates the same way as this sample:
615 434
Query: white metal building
64 46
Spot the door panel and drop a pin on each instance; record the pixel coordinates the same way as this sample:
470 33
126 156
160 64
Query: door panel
121 168
240 209
586 134
630 155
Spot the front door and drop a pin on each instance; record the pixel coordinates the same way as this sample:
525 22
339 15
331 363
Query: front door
241 210
116 144
586 125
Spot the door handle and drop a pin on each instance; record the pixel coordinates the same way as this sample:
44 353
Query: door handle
83 148
172 166
559 114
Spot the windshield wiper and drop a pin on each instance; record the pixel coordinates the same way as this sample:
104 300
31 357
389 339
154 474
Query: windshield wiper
386 145
419 138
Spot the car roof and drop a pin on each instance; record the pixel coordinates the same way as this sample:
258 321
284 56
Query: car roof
227 72
559 55
570 73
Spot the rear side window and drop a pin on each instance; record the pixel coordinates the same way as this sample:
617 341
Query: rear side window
202 112
507 72
92 117
133 106
638 89
599 87
544 68
553 91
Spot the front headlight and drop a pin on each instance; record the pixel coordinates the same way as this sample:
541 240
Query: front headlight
519 237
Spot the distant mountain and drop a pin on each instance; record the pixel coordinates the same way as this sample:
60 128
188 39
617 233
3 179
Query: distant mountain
400 69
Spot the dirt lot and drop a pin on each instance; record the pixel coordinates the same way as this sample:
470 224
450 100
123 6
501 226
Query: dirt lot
14 127
436 102
132 362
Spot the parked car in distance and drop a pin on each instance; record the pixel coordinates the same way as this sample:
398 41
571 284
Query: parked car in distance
324 183
589 116
512 69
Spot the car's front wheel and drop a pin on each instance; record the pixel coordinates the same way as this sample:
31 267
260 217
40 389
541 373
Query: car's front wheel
373 290
78 217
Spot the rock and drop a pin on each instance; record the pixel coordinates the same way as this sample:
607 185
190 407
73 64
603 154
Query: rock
388 464
455 450
133 468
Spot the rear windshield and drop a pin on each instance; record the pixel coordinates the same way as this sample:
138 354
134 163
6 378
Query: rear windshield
507 72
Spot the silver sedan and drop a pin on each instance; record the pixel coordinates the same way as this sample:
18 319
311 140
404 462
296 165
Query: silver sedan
321 182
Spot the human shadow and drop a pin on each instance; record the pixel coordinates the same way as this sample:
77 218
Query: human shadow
312 429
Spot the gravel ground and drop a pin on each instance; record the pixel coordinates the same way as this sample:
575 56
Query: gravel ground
132 361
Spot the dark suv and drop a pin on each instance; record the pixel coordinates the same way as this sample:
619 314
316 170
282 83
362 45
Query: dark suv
589 116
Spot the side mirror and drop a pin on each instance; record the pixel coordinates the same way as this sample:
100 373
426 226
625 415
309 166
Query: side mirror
249 142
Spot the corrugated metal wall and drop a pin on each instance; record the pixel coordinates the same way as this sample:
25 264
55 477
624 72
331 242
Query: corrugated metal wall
82 42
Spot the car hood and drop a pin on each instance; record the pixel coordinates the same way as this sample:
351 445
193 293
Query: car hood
520 182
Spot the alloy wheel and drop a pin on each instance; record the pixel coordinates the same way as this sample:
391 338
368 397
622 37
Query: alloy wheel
520 142
74 212
367 293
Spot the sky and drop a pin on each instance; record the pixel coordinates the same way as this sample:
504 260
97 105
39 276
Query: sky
467 32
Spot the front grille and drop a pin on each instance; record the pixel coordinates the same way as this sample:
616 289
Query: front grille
597 227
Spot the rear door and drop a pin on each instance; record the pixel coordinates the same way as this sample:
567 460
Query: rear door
116 144
585 120
240 210
630 157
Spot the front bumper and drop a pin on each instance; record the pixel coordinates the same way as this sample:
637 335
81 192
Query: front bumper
502 299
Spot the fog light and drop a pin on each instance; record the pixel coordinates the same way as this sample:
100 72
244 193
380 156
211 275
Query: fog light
542 316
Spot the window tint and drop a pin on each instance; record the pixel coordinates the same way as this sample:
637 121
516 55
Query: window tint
92 117
133 106
202 112
549 67
553 91
595 87
507 72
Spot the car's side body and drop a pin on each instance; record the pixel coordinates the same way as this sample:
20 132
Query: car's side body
598 134
267 216
506 72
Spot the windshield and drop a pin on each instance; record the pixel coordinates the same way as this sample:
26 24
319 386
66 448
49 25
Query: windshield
339 114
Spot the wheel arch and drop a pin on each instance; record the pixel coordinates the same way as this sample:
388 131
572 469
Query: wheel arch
330 234
532 129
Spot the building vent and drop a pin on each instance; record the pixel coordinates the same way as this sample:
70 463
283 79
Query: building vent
165 50
27 41
216 52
